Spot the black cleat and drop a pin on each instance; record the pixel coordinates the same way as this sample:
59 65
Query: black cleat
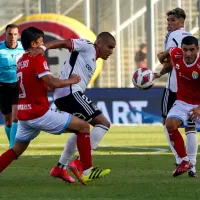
192 174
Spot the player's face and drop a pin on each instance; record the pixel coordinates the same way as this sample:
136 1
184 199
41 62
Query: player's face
174 23
190 53
106 48
37 43
12 35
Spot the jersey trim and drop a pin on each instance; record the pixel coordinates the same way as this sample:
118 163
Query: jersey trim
175 42
72 62
43 74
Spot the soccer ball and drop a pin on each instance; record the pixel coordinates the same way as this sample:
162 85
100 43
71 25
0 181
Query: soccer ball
143 79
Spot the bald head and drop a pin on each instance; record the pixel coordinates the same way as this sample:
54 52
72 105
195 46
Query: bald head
105 43
105 36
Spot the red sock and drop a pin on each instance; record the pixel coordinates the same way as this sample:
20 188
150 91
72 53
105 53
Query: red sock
6 158
84 148
178 142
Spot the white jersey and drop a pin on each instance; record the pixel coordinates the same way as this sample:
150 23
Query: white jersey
81 61
174 39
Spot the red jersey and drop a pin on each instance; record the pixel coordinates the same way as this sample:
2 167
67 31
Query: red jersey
32 102
188 77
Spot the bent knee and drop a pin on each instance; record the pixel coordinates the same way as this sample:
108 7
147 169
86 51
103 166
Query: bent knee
172 124
84 127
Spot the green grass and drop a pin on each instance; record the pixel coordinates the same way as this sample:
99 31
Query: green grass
141 169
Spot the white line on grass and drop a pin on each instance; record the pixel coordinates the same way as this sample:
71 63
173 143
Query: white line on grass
154 149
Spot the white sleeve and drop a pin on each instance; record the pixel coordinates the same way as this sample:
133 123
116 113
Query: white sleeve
81 45
172 42
176 39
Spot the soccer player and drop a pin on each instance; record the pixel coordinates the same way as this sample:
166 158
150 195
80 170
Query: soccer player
34 114
72 99
10 51
186 62
176 33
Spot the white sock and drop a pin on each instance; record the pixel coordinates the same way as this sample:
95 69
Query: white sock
191 146
178 159
96 135
69 150
85 172
185 158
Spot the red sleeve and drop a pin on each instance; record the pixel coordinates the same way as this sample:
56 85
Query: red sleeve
175 54
41 66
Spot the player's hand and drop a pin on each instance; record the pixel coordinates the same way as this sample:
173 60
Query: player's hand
157 75
195 113
74 78
162 57
36 51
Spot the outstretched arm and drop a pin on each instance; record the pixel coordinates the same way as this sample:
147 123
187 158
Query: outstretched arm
56 44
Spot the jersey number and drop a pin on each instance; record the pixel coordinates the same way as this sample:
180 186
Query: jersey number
22 93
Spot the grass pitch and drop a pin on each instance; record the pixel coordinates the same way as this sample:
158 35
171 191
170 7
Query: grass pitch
138 156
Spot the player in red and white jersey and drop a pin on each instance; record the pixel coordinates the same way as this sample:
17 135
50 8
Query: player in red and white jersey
71 99
186 62
176 32
34 79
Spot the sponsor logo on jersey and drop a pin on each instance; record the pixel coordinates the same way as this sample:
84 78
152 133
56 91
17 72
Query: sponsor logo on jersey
178 55
195 75
177 66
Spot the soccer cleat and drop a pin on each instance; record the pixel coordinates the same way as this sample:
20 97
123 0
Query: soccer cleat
182 168
57 172
95 173
192 174
76 168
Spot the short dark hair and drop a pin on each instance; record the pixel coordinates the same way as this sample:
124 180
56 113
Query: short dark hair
11 26
177 12
189 40
29 35
105 36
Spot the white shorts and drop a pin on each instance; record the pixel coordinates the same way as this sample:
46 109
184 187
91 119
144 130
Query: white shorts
181 110
51 122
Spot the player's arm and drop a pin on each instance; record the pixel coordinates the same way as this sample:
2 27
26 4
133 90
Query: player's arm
164 58
56 44
53 82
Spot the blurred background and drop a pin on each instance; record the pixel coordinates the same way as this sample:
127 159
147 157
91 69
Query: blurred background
139 27
129 21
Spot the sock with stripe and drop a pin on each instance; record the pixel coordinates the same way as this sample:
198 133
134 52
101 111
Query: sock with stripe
84 149
6 159
13 132
178 143
7 130
178 159
96 135
191 146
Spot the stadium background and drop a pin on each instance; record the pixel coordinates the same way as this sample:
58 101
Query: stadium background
131 22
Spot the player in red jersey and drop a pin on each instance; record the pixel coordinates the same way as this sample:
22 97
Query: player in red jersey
34 114
186 62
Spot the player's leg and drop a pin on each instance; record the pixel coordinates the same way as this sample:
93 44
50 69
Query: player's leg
6 109
82 107
191 147
168 100
24 135
14 96
177 116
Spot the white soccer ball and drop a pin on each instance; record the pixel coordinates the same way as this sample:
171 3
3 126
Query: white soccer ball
143 79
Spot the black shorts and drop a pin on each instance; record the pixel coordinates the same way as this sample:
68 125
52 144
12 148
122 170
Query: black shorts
168 100
8 96
79 105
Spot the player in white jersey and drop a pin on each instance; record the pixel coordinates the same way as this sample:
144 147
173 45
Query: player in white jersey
82 61
176 33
